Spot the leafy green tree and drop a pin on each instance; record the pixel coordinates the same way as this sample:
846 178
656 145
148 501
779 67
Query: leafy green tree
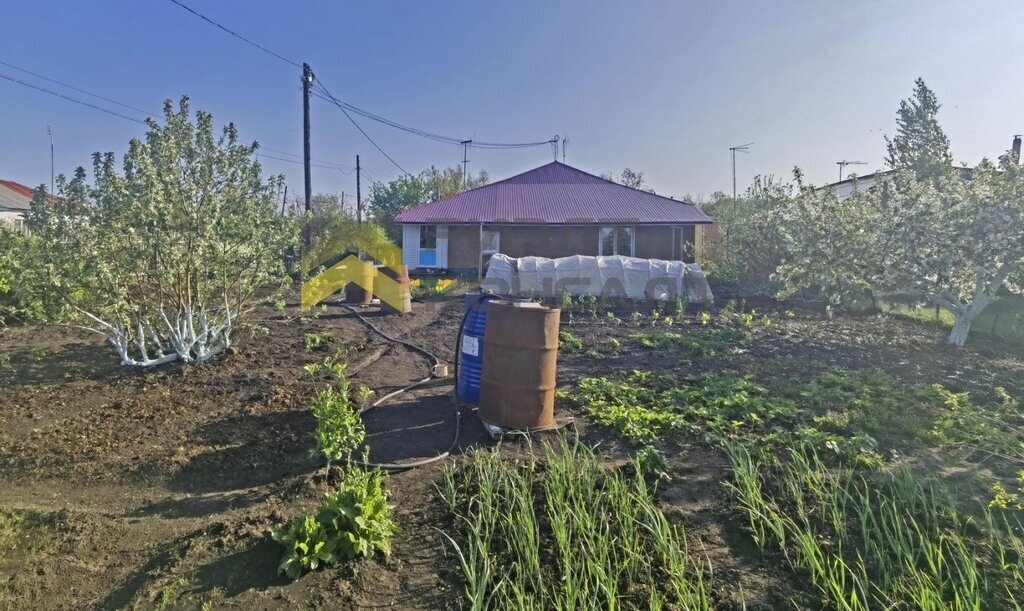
325 209
750 251
631 178
920 144
9 251
387 199
949 239
166 256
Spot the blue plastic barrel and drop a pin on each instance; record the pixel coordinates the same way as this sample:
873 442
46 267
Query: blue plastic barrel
471 350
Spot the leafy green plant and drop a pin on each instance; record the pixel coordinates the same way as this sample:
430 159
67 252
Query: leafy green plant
569 342
705 342
314 341
565 302
10 526
363 395
651 463
353 521
339 427
843 413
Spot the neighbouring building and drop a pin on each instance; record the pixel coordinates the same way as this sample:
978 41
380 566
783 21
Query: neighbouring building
15 200
551 211
846 188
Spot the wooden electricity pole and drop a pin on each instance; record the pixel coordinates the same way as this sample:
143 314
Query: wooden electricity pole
359 194
307 82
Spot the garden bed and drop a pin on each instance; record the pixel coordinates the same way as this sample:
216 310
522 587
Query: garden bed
159 489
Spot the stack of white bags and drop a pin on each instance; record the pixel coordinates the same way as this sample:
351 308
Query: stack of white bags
622 277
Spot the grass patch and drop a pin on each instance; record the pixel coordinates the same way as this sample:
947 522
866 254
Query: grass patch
566 533
887 539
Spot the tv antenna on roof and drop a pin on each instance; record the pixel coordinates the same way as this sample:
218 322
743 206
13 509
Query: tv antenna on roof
743 148
842 164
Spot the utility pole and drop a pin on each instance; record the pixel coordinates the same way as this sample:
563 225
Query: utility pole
359 194
565 143
49 132
307 82
284 200
743 148
465 162
842 164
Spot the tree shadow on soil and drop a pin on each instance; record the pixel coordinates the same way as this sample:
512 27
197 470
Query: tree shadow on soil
60 365
254 567
123 595
201 506
253 450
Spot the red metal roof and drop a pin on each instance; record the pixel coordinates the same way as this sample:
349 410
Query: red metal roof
16 196
556 194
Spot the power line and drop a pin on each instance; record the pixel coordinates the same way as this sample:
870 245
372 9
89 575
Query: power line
330 98
321 161
70 99
236 34
78 89
429 135
346 107
328 166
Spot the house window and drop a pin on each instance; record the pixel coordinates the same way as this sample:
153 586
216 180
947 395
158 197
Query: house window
490 242
428 245
616 241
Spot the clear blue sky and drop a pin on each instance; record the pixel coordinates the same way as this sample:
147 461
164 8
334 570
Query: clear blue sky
663 87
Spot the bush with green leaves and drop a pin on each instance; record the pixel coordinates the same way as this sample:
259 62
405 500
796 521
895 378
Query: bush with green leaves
339 425
168 254
352 522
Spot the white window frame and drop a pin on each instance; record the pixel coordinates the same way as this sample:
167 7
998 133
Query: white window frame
615 244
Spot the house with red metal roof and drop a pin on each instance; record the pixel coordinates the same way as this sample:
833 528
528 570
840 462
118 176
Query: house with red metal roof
551 211
15 201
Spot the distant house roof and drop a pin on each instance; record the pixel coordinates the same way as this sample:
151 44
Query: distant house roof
15 196
556 194
846 188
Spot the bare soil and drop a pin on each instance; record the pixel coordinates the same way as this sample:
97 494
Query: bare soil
157 489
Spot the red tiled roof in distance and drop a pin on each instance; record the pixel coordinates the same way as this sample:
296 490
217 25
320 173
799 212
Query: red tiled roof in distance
556 194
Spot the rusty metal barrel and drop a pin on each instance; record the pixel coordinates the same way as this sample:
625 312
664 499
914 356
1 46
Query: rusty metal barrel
401 276
360 292
517 387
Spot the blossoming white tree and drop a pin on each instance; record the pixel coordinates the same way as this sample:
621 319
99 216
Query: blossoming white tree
953 240
167 255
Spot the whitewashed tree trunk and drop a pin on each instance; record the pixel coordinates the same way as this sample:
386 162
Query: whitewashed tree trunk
183 339
961 329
